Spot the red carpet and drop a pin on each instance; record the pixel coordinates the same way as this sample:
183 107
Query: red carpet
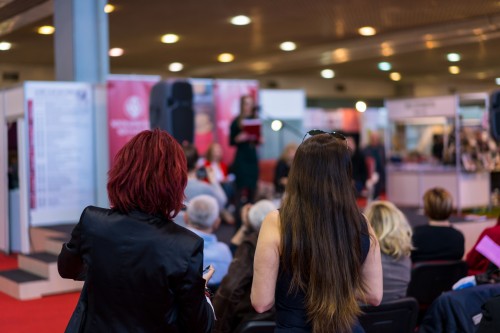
8 261
45 315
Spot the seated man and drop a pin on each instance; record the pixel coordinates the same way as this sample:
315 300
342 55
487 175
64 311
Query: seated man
232 300
438 240
202 218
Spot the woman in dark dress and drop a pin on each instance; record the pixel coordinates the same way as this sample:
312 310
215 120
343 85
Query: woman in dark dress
246 163
283 168
142 272
317 257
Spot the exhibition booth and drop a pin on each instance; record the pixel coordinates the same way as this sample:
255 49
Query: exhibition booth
440 141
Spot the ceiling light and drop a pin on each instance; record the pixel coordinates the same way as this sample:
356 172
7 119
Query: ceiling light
367 31
276 125
288 46
327 73
225 57
240 20
481 75
454 69
360 106
384 66
4 46
175 67
46 30
340 55
497 81
431 44
453 57
395 76
109 8
169 38
115 52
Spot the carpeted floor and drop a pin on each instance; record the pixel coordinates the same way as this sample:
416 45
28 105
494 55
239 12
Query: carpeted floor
48 314
45 315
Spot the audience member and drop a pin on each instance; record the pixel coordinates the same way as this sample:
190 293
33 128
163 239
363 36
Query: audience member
476 261
213 160
246 164
317 256
202 218
376 150
142 272
438 240
359 169
394 236
283 167
196 184
232 300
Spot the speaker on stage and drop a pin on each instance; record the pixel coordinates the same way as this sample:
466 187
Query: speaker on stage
171 109
494 113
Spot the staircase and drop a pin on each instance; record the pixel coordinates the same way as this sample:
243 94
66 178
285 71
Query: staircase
37 274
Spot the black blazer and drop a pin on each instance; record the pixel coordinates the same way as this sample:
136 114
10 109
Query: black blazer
143 273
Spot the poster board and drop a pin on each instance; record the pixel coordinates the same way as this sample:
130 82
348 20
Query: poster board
60 135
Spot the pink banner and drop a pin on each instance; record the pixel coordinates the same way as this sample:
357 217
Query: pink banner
128 109
204 114
227 105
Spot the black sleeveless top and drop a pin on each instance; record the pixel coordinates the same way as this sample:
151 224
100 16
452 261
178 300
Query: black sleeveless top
291 315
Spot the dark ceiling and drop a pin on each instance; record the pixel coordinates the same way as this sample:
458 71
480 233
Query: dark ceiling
413 35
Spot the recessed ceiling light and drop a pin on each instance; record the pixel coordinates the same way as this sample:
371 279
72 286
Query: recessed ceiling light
454 69
481 75
288 46
497 81
384 66
169 38
328 73
395 76
367 31
4 46
115 52
360 106
453 57
431 44
109 8
240 20
175 67
225 57
46 30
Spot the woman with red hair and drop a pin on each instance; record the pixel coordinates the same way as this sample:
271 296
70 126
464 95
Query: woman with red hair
142 272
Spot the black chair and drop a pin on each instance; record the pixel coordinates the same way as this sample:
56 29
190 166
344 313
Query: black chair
398 316
256 326
430 278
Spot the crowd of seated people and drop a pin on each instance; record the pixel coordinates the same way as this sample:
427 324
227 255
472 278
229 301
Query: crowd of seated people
385 231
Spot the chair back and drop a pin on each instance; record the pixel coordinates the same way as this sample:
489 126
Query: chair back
256 326
398 316
430 278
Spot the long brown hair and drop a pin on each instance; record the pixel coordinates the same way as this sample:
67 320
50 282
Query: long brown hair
321 227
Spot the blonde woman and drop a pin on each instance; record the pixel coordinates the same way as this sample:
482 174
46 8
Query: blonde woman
394 236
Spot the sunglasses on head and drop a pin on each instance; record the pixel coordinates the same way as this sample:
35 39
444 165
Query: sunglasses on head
317 131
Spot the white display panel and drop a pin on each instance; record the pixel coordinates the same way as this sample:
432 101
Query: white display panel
442 106
282 104
60 148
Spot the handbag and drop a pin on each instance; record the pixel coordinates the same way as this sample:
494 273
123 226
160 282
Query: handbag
76 323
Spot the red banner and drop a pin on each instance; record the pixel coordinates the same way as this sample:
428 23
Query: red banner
128 108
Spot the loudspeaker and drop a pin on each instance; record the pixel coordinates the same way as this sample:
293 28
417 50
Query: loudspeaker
171 109
494 115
